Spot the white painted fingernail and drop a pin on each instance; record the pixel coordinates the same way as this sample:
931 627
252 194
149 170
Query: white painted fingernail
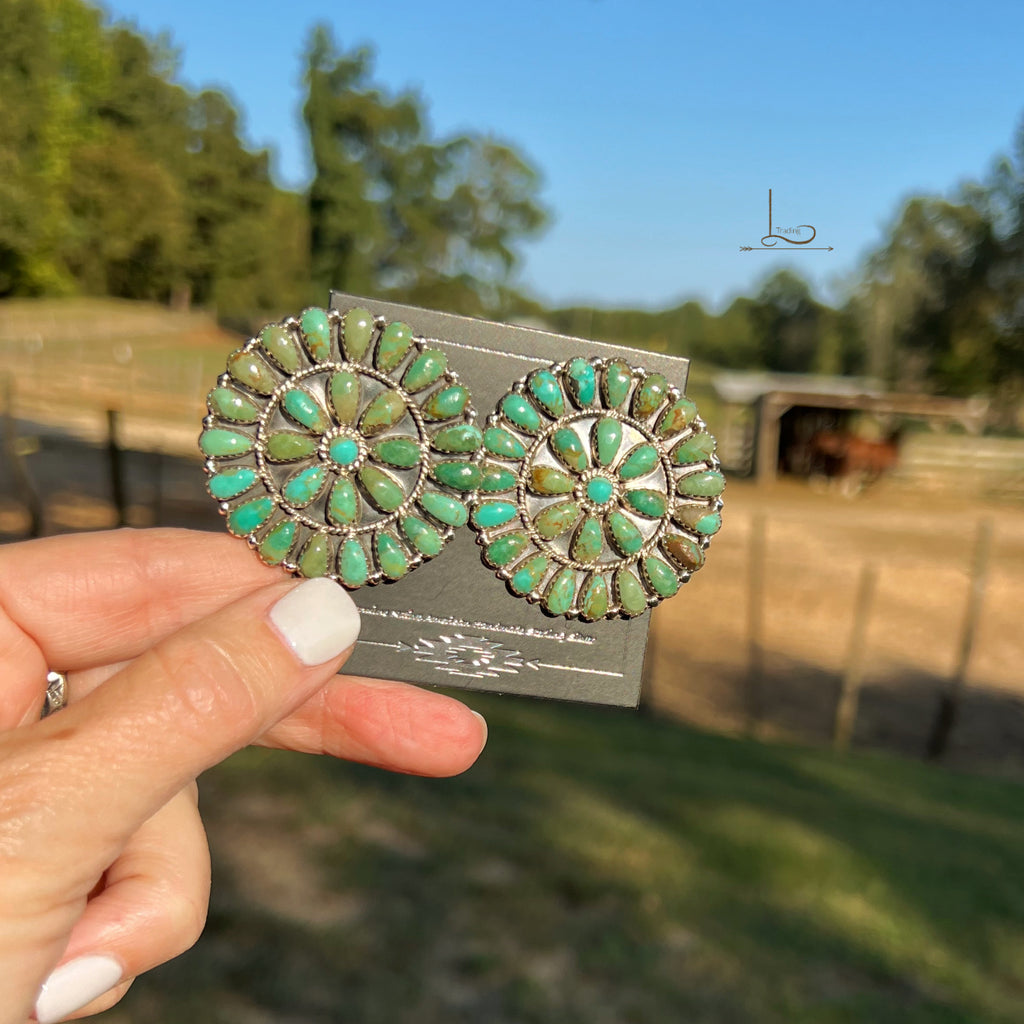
317 620
74 985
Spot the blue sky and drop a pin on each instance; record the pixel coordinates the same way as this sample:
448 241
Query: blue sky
658 127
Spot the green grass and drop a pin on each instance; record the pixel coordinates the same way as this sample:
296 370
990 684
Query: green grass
599 866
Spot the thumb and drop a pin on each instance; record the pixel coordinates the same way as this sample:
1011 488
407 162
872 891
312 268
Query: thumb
104 765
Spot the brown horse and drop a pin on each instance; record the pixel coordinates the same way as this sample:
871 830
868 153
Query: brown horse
854 462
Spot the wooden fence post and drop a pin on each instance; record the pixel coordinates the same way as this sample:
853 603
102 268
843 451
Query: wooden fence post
755 622
116 467
16 458
853 675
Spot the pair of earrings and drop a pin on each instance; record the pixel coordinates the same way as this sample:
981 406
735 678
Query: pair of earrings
343 445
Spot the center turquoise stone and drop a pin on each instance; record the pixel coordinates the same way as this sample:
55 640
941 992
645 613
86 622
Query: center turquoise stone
599 490
344 451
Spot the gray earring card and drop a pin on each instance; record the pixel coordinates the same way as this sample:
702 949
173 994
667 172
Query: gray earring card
452 622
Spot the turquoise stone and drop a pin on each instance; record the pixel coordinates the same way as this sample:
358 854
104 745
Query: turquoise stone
393 347
316 334
561 590
607 436
548 480
343 503
400 452
422 536
462 476
390 557
447 403
352 565
639 462
305 486
489 514
615 383
344 392
588 542
250 515
501 443
305 410
545 389
316 556
219 443
699 519
623 534
229 483
280 345
274 548
382 413
699 448
343 451
427 367
357 330
580 382
567 445
248 369
676 417
707 484
649 395
462 437
652 504
505 549
518 411
383 490
555 520
600 489
290 446
529 574
444 509
686 553
494 479
232 405
629 594
594 599
660 576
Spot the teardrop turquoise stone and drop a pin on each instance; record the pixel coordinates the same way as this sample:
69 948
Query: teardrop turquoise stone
652 504
248 369
606 440
275 547
279 344
250 515
628 540
444 509
394 344
219 443
506 548
676 417
463 476
232 405
588 542
639 462
426 368
352 565
316 556
630 595
489 514
649 395
660 576
529 574
698 518
501 443
304 409
686 553
548 480
343 503
382 413
581 382
316 334
357 331
555 520
707 484
462 437
699 448
545 389
401 452
344 391
594 599
566 444
385 493
518 411
560 592
289 446
390 557
423 537
494 479
305 486
229 483
615 383
447 403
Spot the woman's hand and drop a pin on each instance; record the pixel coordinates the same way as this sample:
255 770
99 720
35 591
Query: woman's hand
179 649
